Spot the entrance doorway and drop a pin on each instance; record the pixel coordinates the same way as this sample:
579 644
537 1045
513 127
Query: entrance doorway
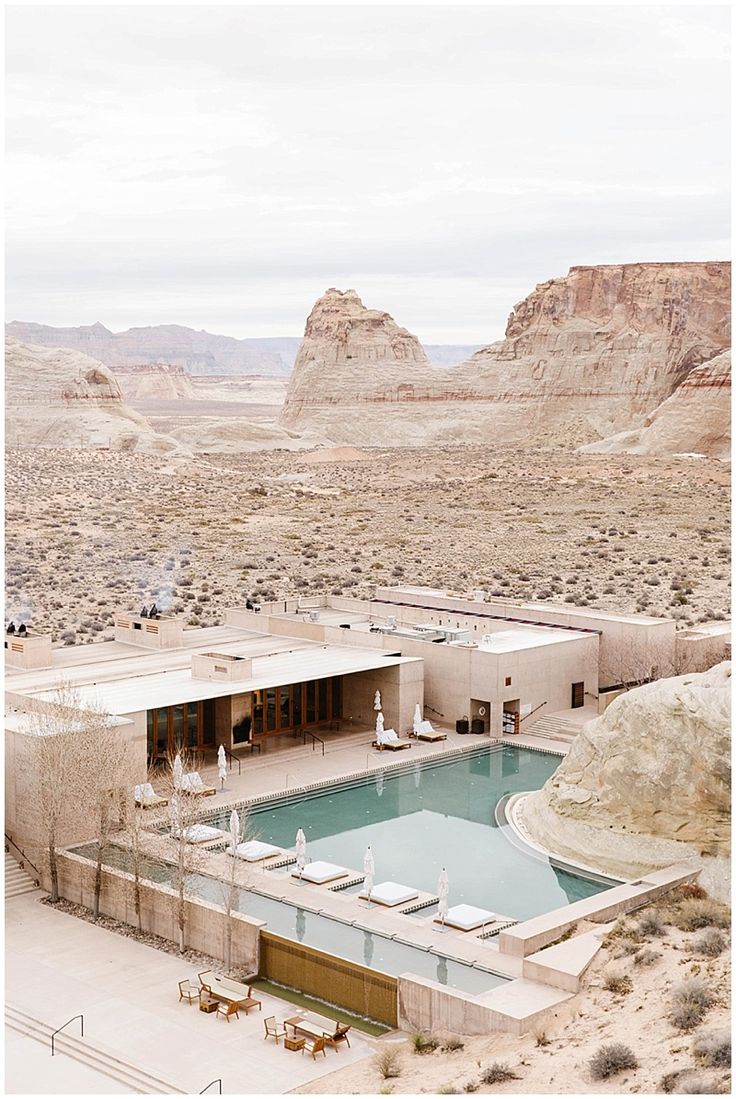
578 695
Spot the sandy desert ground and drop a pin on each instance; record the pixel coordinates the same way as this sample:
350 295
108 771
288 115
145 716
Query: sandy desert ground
92 531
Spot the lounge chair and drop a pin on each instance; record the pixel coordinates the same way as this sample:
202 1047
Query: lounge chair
147 798
424 730
389 738
339 1034
255 850
314 1046
188 991
466 917
391 893
202 833
250 1001
319 872
191 783
273 1030
226 1010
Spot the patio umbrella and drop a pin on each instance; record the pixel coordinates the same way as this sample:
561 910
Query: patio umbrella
443 892
221 766
417 718
178 772
301 851
234 830
377 701
379 724
369 869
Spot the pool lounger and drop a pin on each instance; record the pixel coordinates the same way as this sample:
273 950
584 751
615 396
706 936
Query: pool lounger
466 917
319 873
255 851
202 833
390 893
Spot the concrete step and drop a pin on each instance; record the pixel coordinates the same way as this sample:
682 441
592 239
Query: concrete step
17 880
553 728
90 1054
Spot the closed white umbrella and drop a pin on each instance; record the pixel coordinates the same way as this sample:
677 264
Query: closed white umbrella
234 830
221 766
369 869
178 772
301 851
379 722
377 701
417 718
443 893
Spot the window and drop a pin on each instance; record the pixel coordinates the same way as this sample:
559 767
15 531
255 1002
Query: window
323 714
270 709
508 681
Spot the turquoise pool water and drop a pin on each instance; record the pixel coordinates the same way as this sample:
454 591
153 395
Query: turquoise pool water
430 816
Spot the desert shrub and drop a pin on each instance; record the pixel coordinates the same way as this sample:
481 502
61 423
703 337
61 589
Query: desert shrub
691 999
610 1059
386 1089
646 957
453 1043
714 1049
424 1043
470 1087
447 1089
697 1083
387 1062
498 1073
651 925
696 912
711 943
619 983
541 1039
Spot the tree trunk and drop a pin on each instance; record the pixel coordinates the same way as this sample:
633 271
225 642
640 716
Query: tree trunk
98 868
53 869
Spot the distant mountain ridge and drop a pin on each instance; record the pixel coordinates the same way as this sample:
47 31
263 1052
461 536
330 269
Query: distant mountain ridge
200 353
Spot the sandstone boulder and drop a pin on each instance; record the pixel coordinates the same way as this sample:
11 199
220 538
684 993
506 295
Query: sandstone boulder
647 783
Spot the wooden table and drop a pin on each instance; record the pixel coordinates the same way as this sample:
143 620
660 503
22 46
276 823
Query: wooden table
300 1024
294 1043
208 1005
230 992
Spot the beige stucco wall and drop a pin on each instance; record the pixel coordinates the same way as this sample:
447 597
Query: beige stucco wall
206 924
401 687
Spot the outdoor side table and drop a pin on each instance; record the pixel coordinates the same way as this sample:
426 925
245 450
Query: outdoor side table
208 1006
294 1043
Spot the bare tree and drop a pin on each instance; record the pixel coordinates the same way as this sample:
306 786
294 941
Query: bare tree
237 878
108 771
184 813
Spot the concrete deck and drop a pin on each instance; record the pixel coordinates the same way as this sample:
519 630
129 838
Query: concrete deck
58 965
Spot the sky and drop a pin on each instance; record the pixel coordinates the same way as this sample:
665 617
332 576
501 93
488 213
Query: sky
220 167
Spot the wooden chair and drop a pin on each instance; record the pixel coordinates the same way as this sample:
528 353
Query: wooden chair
226 1010
272 1029
188 991
339 1034
314 1046
250 1002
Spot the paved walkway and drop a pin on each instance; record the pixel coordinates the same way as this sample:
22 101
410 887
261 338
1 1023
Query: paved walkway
58 965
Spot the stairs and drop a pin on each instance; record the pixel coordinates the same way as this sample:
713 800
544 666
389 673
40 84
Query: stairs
552 728
87 1053
17 880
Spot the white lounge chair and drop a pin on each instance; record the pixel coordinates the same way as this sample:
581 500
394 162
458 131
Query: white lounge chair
319 873
466 917
255 851
425 730
145 796
202 833
191 783
389 738
391 893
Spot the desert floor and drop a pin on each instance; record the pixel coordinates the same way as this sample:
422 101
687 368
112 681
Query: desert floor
555 1060
89 532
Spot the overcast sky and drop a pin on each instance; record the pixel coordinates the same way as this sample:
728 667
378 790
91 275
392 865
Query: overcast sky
220 167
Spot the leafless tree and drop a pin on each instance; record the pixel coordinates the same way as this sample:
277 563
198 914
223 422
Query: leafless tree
184 811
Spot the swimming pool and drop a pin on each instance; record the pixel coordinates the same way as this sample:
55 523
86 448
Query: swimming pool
429 815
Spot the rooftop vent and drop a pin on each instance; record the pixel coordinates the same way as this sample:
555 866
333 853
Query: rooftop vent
222 667
27 651
391 622
314 615
150 630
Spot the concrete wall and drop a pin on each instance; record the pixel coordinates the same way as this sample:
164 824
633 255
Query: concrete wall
206 924
697 650
401 687
428 1006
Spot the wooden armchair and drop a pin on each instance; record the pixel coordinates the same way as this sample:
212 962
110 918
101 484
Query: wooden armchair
188 991
250 1002
339 1034
314 1046
226 1010
273 1030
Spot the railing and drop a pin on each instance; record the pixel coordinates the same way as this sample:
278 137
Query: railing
437 712
231 757
315 739
527 716
219 1087
66 1024
20 851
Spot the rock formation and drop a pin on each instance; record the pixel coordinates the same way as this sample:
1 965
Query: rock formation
696 419
647 783
603 345
65 399
155 381
198 352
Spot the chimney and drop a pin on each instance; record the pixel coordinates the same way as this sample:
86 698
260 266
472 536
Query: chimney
149 633
28 652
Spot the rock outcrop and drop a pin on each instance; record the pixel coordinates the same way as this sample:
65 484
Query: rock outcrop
157 381
696 419
603 345
198 352
647 783
65 399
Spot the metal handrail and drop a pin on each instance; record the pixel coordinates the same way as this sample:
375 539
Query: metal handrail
218 1082
428 707
53 1036
315 739
527 716
232 757
22 852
